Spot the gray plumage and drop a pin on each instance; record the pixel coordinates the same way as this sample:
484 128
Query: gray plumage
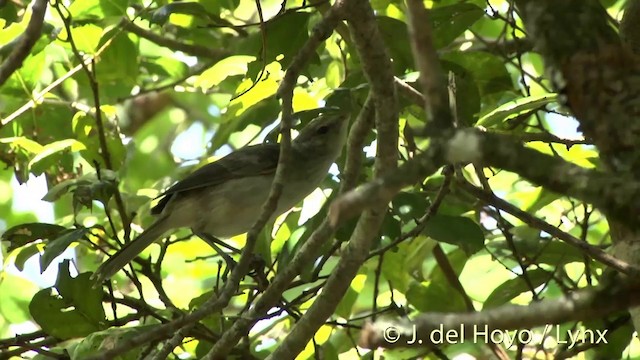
225 198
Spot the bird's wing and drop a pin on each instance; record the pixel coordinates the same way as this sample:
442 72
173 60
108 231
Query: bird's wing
248 161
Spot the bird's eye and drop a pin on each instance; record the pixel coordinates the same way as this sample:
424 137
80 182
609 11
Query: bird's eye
323 129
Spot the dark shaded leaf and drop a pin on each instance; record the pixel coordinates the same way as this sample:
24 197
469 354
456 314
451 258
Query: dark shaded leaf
58 245
488 71
467 93
449 22
8 12
75 311
410 205
611 342
396 38
24 234
285 36
161 15
435 296
456 230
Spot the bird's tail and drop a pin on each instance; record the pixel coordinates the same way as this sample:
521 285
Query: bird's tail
128 252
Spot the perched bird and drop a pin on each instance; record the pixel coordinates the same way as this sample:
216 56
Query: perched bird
224 198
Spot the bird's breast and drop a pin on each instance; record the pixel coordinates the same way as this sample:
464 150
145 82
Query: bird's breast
232 208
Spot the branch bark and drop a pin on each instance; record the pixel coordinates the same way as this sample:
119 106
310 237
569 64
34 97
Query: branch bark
578 306
28 39
378 70
609 194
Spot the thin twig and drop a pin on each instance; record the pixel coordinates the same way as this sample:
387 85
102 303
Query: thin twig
593 251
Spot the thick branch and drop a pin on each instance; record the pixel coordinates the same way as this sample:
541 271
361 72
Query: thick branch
432 79
630 25
610 194
378 70
577 306
273 293
26 43
598 74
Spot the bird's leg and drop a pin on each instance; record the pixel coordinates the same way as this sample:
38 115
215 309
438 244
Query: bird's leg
257 264
216 243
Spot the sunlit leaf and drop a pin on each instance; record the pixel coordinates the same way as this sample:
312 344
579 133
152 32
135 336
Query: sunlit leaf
515 108
514 287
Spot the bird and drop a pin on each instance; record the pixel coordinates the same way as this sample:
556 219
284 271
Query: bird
225 198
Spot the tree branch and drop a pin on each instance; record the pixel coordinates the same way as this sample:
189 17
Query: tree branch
432 79
609 193
592 251
578 306
272 294
378 70
25 44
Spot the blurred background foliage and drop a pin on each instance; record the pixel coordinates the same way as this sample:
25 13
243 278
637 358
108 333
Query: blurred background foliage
180 84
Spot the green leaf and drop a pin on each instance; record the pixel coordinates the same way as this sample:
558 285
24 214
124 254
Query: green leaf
87 37
285 36
345 307
514 287
23 143
457 259
16 293
215 321
101 341
394 268
107 182
85 193
230 66
45 158
27 78
435 296
515 108
554 253
467 93
97 9
449 22
489 72
544 197
617 340
58 245
80 292
391 227
24 234
74 311
8 12
26 253
410 205
83 127
396 38
456 230
111 67
161 15
268 108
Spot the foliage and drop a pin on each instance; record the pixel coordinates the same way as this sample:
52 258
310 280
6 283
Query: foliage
173 85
